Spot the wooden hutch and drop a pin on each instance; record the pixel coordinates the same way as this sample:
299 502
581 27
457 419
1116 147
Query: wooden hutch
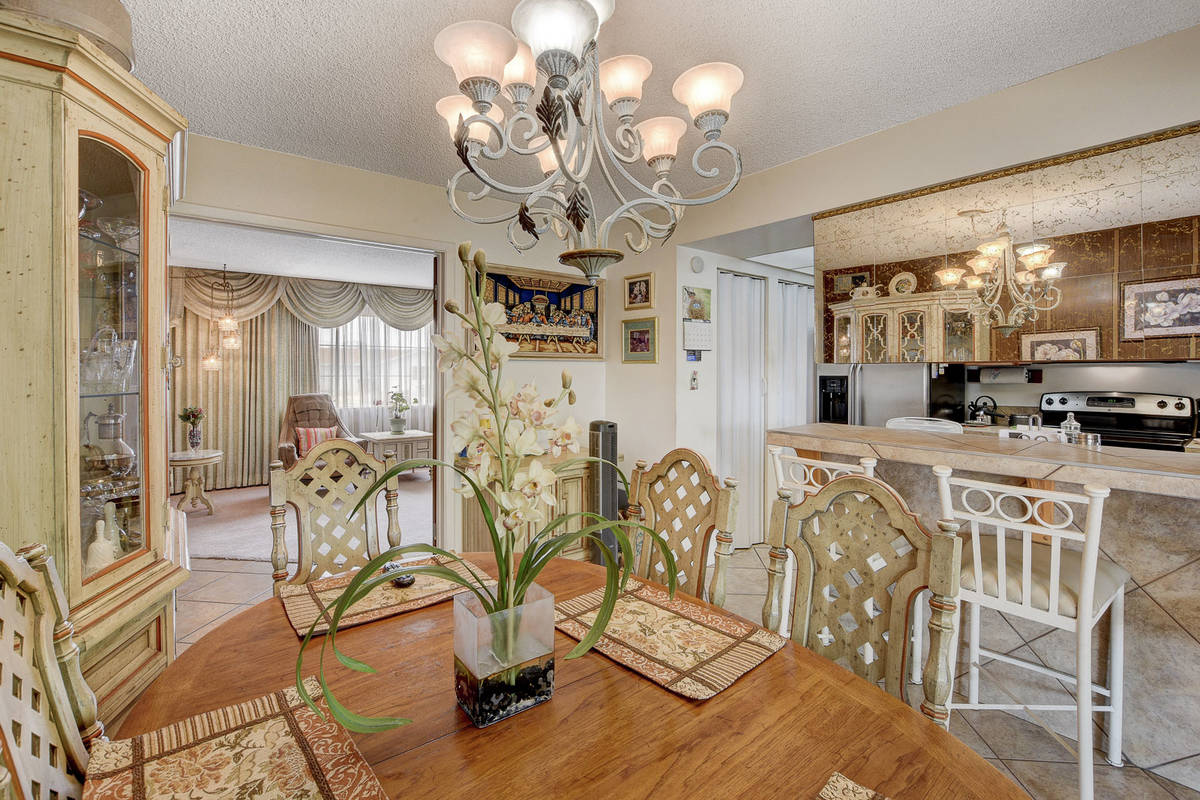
83 242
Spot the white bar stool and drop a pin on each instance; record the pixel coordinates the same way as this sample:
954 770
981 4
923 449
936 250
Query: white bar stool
1069 589
805 476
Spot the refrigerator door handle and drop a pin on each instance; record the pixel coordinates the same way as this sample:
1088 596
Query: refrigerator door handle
854 413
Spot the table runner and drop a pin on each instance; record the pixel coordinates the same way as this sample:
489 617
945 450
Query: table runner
840 787
678 644
307 602
273 746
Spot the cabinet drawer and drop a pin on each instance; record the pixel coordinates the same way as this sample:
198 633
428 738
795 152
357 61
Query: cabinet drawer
119 671
422 450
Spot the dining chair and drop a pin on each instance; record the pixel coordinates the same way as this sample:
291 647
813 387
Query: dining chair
49 711
1024 540
862 559
681 499
323 488
807 475
929 424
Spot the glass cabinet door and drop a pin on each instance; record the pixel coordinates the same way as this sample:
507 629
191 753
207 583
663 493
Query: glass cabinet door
874 338
111 425
912 336
959 336
841 340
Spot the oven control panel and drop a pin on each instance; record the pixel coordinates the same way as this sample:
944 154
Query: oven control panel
1139 403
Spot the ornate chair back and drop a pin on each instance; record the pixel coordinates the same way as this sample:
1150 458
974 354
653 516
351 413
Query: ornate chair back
323 488
314 410
681 499
861 560
48 711
805 476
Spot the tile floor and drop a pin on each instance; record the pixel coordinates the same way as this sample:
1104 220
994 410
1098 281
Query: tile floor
220 589
1020 749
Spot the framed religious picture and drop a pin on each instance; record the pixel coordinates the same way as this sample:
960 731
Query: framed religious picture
639 291
1160 308
639 341
1080 345
549 314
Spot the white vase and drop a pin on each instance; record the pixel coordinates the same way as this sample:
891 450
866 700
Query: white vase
398 424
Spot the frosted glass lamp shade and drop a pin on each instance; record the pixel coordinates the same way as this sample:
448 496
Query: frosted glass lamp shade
1052 271
557 31
660 140
521 69
950 276
1036 259
982 265
604 9
456 105
546 160
708 87
621 77
973 281
475 49
995 248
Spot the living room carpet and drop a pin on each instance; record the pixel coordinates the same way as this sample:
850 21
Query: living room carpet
240 527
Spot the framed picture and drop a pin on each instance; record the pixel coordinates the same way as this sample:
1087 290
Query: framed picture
550 314
697 303
639 341
1160 308
1080 345
843 284
639 291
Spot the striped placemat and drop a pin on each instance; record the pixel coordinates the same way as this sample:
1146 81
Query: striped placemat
839 787
679 644
274 746
307 602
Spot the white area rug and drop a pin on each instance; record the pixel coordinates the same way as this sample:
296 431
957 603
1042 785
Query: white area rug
240 528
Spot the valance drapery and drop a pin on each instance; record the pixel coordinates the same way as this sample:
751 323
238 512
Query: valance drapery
322 304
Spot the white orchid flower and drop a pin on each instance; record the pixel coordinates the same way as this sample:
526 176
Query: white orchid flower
566 437
536 482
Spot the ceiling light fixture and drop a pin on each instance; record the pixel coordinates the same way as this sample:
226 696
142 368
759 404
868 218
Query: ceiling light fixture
1021 278
565 132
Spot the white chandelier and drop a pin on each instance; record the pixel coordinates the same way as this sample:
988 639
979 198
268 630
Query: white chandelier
565 135
1021 278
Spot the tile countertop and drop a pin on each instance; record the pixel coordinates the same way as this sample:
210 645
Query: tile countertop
1152 471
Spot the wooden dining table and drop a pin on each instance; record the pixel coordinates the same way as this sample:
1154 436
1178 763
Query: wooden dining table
780 731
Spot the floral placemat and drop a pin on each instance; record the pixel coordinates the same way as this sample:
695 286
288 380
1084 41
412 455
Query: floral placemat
840 787
679 644
307 602
275 746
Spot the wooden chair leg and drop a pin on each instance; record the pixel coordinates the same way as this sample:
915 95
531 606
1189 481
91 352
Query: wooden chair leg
1116 677
772 616
716 589
918 636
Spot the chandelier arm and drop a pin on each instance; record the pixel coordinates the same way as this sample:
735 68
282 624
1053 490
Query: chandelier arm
648 227
451 196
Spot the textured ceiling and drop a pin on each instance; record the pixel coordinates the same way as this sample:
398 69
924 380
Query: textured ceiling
354 81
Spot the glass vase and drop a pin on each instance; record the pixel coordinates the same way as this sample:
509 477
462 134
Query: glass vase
193 438
503 662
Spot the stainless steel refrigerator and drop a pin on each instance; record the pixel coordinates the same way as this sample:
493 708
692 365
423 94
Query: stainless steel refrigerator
871 394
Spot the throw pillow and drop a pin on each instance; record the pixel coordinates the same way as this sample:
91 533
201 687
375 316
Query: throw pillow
308 438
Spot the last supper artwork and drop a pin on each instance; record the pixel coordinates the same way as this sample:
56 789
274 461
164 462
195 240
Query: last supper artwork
550 315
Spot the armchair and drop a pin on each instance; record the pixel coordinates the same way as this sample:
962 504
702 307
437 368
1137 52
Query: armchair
308 411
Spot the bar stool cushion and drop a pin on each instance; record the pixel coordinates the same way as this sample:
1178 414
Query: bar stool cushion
1110 578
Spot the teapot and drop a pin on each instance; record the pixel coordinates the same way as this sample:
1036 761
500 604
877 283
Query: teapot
111 452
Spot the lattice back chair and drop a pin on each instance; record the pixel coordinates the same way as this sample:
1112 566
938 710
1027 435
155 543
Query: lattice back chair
861 561
323 488
1043 547
805 476
681 499
49 713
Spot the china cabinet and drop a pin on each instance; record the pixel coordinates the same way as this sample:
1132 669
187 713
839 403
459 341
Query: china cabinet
84 148
907 326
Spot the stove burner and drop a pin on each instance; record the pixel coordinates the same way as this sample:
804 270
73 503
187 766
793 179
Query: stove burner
1127 419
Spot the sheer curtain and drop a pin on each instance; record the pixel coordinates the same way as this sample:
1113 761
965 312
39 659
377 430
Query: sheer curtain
363 361
792 354
741 435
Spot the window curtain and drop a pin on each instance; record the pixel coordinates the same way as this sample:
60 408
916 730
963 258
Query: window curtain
245 399
792 357
322 304
365 360
741 439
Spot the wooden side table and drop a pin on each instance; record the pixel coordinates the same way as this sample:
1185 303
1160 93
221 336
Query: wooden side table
410 444
194 461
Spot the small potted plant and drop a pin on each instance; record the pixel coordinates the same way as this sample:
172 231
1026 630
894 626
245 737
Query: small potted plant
503 628
192 415
400 406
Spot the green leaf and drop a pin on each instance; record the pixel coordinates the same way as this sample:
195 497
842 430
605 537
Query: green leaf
604 613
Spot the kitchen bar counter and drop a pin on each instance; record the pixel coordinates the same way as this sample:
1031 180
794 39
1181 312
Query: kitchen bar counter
1149 471
1150 529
